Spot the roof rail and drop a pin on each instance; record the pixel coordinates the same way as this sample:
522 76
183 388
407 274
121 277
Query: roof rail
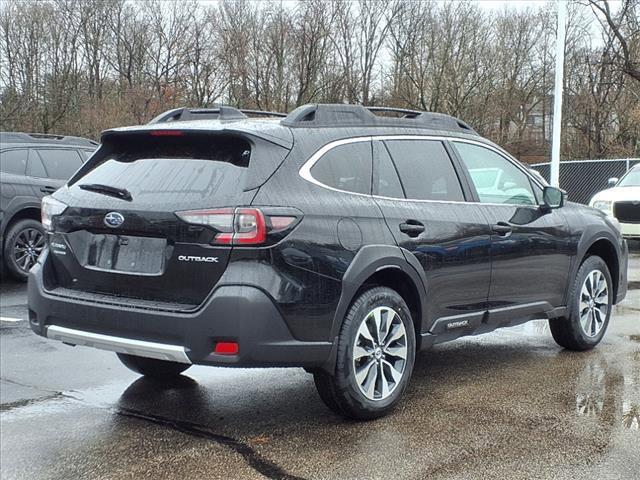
406 113
338 115
222 112
21 137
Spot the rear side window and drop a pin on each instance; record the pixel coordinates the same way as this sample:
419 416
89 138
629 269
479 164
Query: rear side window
14 161
425 170
59 163
346 167
385 177
200 170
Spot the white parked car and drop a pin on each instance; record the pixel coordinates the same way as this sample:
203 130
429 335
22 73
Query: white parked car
622 201
493 185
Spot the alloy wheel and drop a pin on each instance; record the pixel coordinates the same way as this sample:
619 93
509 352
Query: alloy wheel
594 303
27 248
380 353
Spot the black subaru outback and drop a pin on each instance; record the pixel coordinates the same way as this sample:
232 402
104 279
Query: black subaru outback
339 239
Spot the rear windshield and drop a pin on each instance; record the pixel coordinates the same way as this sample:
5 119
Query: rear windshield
170 170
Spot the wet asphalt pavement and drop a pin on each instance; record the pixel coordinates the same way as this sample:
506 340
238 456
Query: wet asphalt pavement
510 404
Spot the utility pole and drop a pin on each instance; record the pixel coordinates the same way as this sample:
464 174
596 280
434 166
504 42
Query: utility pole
557 96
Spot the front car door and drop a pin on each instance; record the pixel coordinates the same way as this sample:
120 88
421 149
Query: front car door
530 245
423 201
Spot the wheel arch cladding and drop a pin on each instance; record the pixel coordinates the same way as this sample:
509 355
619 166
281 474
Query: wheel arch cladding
606 250
382 265
30 212
398 280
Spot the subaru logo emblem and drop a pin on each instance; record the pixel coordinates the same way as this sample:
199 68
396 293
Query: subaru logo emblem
113 219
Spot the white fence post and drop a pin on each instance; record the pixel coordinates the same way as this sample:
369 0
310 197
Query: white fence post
557 96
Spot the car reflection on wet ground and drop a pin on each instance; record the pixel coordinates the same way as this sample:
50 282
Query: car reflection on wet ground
510 404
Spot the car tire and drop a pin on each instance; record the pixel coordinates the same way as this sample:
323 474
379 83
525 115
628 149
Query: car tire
590 303
23 245
371 374
150 367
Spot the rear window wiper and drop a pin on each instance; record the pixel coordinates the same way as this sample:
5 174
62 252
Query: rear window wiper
121 193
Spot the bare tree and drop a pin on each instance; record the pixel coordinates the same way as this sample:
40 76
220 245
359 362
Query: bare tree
623 31
80 66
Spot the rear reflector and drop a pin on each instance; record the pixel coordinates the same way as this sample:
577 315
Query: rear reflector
226 348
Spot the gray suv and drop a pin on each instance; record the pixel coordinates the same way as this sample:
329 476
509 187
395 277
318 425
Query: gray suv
32 166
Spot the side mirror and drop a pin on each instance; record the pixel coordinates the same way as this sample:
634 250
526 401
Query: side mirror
553 197
612 182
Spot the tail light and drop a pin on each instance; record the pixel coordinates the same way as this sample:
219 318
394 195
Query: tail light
240 226
50 208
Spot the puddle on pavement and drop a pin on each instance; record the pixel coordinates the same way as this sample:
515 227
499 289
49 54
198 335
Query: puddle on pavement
610 396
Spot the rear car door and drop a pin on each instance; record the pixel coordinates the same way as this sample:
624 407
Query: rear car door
530 245
424 204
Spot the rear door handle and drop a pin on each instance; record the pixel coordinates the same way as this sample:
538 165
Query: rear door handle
48 189
413 228
502 228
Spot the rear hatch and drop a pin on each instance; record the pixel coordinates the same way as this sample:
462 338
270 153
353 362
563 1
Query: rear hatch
122 236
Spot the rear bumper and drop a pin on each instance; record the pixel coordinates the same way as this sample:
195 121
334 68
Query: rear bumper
161 351
238 313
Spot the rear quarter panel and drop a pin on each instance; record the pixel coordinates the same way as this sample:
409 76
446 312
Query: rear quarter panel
314 258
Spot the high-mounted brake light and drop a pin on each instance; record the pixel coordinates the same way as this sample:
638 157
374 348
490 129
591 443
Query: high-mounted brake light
166 133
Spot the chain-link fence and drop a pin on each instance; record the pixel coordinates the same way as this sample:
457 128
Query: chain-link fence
582 179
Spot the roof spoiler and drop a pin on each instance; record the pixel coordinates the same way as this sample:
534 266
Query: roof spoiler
217 113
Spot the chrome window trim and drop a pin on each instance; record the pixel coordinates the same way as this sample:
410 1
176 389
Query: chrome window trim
305 170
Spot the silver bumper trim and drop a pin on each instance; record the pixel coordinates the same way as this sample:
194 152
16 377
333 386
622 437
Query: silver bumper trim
140 348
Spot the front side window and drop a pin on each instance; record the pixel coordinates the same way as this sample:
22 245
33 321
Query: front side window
85 154
425 170
59 163
35 168
346 167
495 178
